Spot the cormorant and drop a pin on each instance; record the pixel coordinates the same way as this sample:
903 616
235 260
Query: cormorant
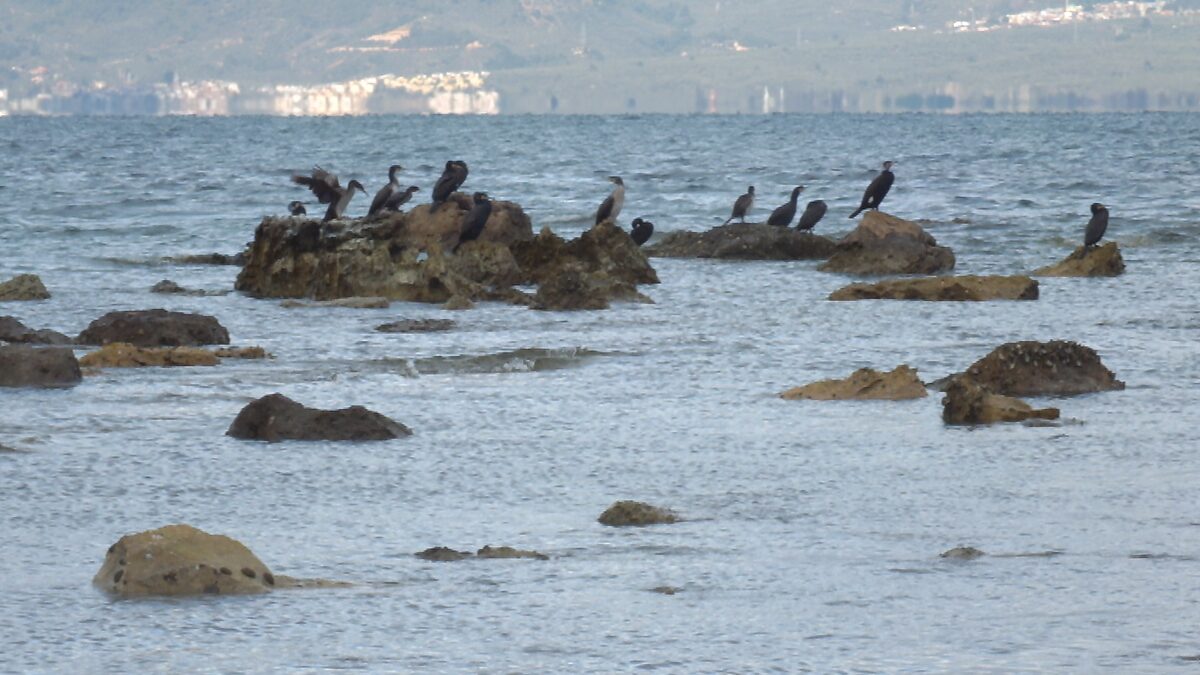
1096 226
385 193
877 190
400 198
612 204
812 215
782 216
328 191
641 231
477 217
452 178
742 206
297 209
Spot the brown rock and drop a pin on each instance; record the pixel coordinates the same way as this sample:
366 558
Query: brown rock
24 287
124 355
276 418
155 328
863 384
605 252
416 326
181 560
508 552
630 513
1098 261
968 403
242 353
972 288
883 244
458 302
442 554
744 241
12 330
24 366
963 553
1055 368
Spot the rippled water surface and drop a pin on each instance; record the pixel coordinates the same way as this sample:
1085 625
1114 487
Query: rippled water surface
812 530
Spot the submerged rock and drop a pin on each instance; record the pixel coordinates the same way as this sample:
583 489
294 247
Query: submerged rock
1055 368
509 552
974 288
745 241
242 353
442 554
125 355
277 418
1099 261
963 553
863 384
210 259
348 303
883 244
12 330
25 366
968 403
416 326
24 287
631 513
155 328
181 560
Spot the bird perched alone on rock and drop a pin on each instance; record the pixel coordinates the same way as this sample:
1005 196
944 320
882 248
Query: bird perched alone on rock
877 190
812 215
452 178
612 204
782 216
297 209
328 191
1097 226
477 217
742 206
641 231
385 193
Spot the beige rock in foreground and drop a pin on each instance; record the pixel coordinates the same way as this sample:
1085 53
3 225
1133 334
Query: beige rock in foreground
969 403
964 288
1099 261
864 384
24 287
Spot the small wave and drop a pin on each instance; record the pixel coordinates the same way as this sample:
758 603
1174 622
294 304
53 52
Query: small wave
529 360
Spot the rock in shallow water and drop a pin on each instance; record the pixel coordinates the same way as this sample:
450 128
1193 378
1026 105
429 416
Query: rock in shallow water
964 288
963 553
883 244
416 326
277 418
25 366
631 513
125 355
12 330
1099 261
744 241
968 403
1030 368
864 384
24 287
155 328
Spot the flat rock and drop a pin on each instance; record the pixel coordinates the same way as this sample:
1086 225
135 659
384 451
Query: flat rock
242 353
509 552
125 355
1098 261
963 553
276 418
155 328
350 303
416 326
883 244
181 560
23 287
968 403
26 366
864 384
12 330
744 241
961 288
631 513
1030 368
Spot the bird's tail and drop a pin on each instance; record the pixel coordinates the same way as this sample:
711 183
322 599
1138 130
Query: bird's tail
856 212
728 221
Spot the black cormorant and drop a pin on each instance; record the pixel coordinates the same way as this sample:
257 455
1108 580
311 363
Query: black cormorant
297 209
782 216
877 190
400 198
742 206
477 217
1096 226
387 191
641 231
612 204
452 178
328 191
812 215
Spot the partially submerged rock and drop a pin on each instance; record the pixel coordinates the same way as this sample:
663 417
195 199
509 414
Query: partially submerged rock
442 554
1030 368
181 560
963 553
276 418
25 366
12 330
416 326
348 303
125 355
210 259
974 288
883 244
745 241
631 513
168 287
23 287
155 328
1097 261
864 384
509 552
968 403
601 266
242 353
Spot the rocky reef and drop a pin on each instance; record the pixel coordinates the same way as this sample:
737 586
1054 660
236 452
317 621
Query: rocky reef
1098 261
964 288
744 241
864 384
883 244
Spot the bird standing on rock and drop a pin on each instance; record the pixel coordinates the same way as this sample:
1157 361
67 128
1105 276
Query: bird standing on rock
612 204
877 190
782 216
328 191
641 231
813 213
400 198
452 178
477 217
742 206
297 209
385 193
1097 226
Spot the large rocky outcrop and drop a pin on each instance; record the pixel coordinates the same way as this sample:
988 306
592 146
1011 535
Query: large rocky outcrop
1055 368
276 418
883 244
968 403
25 366
24 287
631 513
1098 261
943 288
155 328
864 384
745 241
12 330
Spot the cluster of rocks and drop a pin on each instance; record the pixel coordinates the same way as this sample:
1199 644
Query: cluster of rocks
444 554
